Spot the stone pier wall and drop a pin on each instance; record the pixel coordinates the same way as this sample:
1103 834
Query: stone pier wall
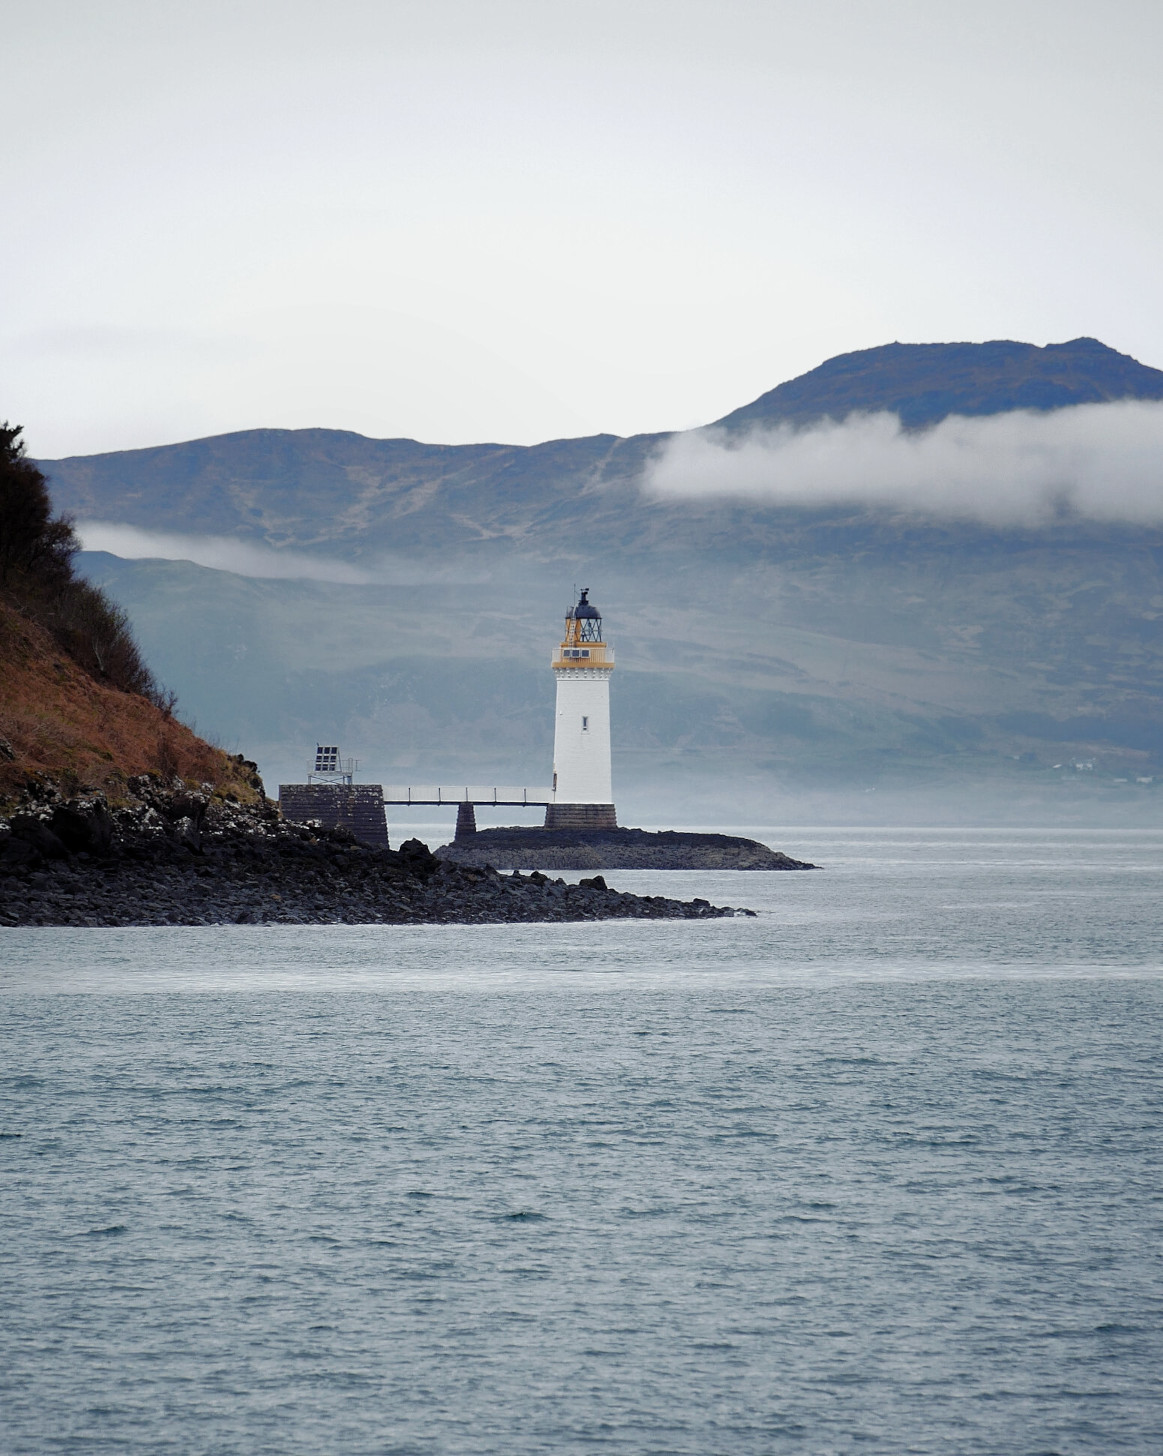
584 817
358 808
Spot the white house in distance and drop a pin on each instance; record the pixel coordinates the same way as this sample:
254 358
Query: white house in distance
583 793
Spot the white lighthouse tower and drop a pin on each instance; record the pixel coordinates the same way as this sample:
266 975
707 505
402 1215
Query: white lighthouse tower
583 793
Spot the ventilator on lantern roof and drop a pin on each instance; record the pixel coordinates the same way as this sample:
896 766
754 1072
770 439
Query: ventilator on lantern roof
585 608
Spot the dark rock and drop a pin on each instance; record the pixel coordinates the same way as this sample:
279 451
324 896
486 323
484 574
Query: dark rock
623 849
83 827
38 834
169 857
186 833
189 806
15 851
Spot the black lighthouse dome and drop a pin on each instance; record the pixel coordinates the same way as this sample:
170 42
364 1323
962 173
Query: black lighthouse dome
585 609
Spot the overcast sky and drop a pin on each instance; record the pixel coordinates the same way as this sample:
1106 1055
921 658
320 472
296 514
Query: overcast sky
487 219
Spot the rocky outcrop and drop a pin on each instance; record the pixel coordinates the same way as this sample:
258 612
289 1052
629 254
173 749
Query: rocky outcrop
615 849
176 856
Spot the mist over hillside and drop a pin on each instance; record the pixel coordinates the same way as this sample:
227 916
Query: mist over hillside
842 660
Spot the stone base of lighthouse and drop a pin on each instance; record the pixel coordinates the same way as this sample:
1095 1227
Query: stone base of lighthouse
582 817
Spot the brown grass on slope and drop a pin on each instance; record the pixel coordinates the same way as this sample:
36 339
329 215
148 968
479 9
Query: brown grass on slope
58 723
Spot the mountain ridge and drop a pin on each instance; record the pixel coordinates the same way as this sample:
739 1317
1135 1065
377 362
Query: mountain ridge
785 649
353 494
925 383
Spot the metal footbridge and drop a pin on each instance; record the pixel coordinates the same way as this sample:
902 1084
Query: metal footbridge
468 794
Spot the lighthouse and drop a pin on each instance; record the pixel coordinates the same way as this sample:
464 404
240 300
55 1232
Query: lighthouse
583 793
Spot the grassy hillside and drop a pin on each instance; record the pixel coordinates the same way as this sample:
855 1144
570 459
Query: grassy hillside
58 723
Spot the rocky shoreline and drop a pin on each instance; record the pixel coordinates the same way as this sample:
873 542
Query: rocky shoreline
173 856
524 848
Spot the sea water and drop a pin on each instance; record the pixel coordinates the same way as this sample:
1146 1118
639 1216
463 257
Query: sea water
877 1171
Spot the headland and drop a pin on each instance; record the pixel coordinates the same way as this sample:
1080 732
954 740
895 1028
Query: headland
182 856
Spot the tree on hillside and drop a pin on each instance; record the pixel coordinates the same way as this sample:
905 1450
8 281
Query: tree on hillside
31 540
36 575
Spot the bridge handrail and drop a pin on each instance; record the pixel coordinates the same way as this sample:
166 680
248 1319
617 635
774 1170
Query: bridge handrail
465 794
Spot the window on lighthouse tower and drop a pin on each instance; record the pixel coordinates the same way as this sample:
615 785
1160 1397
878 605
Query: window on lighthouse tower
585 724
